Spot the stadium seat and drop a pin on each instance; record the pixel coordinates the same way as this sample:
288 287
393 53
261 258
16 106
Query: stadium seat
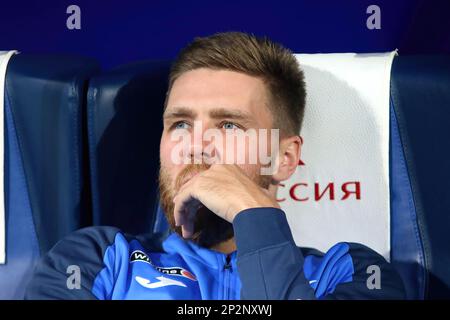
420 197
45 164
125 123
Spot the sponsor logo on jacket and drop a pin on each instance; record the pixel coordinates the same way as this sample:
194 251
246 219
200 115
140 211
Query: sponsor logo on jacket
140 256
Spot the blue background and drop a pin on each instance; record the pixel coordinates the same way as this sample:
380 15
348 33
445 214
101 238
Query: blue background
117 32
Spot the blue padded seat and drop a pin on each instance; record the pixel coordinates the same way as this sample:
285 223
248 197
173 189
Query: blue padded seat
45 164
125 108
420 100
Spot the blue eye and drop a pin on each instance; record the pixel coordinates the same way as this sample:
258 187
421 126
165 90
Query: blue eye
181 125
229 126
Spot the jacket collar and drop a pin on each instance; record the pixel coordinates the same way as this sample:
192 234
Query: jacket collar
175 244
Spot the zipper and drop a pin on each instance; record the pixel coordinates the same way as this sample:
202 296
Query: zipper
227 268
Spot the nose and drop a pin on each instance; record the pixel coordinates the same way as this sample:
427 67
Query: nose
201 152
201 149
197 155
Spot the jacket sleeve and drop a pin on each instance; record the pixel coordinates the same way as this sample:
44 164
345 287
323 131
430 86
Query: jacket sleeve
77 259
271 266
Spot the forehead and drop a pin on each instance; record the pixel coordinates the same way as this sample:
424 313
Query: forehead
203 90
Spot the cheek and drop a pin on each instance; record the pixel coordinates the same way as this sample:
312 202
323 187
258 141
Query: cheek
254 151
170 168
165 151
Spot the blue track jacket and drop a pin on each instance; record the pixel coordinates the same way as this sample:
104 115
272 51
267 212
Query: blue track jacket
266 265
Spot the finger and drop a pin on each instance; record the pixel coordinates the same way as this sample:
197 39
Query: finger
187 230
188 225
178 213
186 221
185 207
178 218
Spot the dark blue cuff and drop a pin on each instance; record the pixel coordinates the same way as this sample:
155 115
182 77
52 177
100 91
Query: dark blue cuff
258 228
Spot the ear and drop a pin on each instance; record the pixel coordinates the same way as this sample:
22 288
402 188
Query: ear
289 156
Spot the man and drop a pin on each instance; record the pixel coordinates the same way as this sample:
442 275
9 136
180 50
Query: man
229 239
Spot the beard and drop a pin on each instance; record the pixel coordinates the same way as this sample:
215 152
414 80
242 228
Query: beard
209 228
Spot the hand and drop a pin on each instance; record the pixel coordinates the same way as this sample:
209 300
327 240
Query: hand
224 190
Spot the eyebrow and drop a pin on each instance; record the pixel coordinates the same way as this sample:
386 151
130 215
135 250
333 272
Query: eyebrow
179 112
217 113
222 113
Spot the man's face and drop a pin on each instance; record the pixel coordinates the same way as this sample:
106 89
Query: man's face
201 100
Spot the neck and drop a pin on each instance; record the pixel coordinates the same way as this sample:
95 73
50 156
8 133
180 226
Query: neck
225 247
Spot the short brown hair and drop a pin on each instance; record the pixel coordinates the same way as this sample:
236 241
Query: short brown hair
254 56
